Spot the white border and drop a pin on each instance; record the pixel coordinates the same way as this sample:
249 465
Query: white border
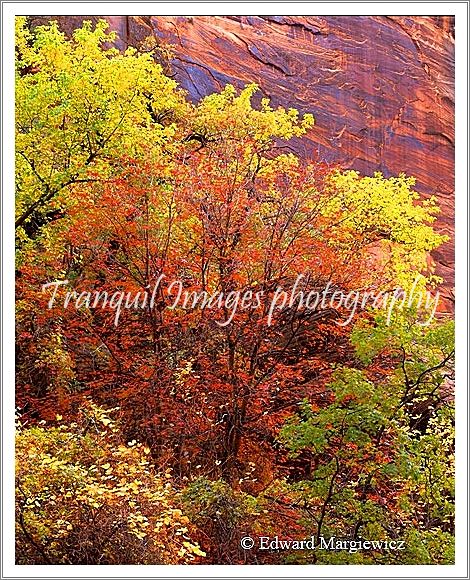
11 9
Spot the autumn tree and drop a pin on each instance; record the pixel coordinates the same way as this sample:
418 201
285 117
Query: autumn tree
203 224
78 106
381 453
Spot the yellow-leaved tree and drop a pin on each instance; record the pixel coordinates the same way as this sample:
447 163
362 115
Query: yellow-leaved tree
79 106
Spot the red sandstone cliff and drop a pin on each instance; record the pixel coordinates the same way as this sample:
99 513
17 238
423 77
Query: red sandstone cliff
381 88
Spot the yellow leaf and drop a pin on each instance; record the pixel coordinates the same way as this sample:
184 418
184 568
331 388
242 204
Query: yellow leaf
197 550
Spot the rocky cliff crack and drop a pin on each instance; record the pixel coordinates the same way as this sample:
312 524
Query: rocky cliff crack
206 68
310 29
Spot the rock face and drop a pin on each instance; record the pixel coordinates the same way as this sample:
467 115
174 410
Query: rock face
381 88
